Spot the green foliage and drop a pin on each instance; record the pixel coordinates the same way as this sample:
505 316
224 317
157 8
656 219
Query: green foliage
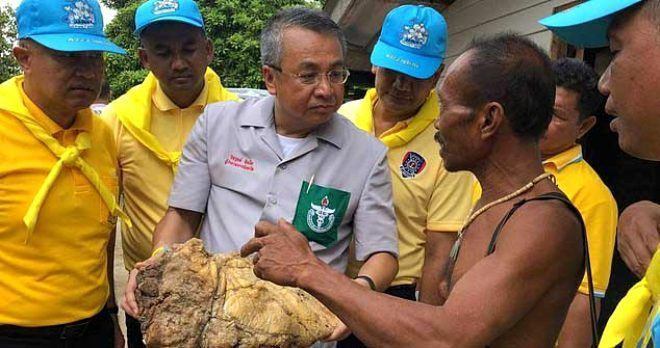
8 65
123 71
233 26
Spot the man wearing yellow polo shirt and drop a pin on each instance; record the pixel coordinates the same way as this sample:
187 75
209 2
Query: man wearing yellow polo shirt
152 120
58 184
576 101
430 203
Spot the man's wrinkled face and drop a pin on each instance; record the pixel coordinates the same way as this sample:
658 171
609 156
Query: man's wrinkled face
177 54
456 134
565 127
401 93
63 81
306 53
632 84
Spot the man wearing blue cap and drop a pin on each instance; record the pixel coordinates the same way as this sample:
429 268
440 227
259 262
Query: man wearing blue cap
430 203
631 84
152 120
59 183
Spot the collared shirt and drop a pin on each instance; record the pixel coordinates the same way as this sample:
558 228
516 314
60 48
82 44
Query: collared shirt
582 185
60 275
233 169
146 180
426 196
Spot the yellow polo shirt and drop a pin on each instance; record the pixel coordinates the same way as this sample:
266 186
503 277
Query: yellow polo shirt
59 276
584 188
582 185
145 179
425 195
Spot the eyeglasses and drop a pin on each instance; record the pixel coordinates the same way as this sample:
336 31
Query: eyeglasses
337 77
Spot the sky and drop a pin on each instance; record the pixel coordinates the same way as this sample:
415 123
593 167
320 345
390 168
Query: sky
108 14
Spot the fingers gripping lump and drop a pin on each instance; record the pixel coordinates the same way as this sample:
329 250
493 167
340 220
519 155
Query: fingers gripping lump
189 298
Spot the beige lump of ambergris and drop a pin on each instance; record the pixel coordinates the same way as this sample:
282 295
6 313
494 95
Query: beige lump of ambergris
189 298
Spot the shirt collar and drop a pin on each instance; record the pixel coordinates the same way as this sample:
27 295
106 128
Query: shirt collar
82 122
163 103
261 115
563 159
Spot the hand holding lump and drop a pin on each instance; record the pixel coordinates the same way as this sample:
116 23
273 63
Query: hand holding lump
189 298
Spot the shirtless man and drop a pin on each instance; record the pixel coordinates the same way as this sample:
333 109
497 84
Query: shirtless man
516 296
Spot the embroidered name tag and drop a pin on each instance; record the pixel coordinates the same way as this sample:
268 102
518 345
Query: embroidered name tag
240 162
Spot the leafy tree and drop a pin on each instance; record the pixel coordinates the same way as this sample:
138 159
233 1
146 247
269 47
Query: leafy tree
8 65
233 26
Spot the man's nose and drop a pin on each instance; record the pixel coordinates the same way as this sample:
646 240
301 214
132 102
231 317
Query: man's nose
89 67
323 87
604 82
178 63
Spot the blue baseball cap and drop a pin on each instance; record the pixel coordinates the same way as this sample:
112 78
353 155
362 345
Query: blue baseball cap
586 25
184 11
413 41
64 25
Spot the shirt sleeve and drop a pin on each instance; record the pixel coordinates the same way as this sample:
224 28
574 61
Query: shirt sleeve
600 219
192 183
451 201
374 222
109 117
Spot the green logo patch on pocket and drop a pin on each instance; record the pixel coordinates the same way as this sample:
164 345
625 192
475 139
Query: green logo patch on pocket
319 212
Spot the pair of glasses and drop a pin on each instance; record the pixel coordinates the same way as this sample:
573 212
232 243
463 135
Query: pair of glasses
337 77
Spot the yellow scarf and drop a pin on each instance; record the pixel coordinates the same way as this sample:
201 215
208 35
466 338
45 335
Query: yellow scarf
397 136
633 316
67 156
134 112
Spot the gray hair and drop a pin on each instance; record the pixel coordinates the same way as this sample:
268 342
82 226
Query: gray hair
652 9
300 17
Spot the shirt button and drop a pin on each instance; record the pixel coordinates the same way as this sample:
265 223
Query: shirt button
272 200
283 166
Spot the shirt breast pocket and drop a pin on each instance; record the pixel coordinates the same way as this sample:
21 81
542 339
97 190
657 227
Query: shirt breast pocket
240 181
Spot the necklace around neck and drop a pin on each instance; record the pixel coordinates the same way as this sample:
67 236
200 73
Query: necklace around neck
457 245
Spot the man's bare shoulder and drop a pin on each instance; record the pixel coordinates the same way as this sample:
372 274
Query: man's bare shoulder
527 283
544 236
550 223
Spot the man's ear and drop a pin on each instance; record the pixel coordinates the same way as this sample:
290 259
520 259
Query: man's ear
268 74
586 125
144 58
491 116
438 73
374 69
22 55
210 50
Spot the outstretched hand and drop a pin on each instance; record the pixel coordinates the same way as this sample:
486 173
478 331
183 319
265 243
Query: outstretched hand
282 253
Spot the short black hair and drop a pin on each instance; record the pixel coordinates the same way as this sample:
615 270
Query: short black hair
515 72
577 76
